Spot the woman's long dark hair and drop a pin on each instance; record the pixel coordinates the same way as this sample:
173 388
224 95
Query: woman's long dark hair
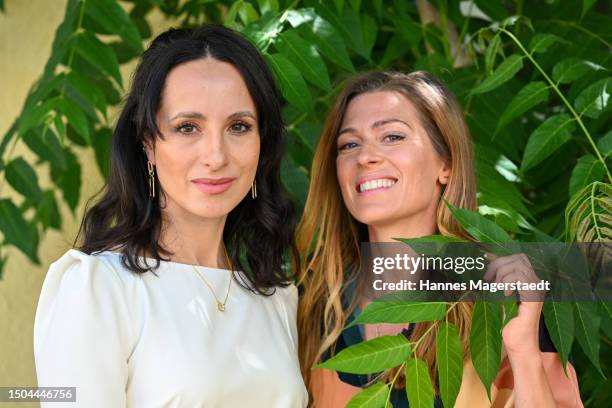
258 232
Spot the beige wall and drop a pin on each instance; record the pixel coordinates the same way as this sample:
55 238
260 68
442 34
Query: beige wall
26 34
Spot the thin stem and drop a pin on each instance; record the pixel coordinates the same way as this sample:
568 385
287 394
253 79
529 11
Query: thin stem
399 370
584 30
565 101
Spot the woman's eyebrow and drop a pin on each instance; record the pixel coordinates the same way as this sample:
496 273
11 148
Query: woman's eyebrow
242 114
376 124
383 122
189 115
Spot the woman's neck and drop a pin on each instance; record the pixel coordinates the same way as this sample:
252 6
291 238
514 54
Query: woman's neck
405 228
193 240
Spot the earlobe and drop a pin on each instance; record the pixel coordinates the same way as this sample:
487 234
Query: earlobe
148 149
445 173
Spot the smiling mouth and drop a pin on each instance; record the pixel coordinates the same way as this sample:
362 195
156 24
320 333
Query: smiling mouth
376 184
213 186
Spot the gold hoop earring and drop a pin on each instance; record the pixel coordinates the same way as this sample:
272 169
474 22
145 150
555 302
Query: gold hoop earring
151 169
254 190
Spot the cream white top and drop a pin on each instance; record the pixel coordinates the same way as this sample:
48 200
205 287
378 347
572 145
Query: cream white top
128 340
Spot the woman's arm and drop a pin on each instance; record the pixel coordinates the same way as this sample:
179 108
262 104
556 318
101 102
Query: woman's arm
536 377
520 336
81 335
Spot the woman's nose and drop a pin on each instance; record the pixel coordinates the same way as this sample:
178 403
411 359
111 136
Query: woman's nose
369 154
214 152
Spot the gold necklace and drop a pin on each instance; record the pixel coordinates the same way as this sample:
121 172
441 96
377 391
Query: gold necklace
220 305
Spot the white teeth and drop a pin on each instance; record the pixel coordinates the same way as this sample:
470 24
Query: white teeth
373 184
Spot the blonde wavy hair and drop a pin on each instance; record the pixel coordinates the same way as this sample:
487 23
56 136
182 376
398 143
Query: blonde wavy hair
328 237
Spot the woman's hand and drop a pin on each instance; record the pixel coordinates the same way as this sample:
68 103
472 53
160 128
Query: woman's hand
520 335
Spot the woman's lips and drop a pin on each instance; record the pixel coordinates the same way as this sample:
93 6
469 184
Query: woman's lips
213 186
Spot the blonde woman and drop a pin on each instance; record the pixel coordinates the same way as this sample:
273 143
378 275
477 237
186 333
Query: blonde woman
392 147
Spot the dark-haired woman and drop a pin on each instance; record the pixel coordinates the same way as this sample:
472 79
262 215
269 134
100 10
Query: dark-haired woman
176 296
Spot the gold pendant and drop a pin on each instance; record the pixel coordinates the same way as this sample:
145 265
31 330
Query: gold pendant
221 307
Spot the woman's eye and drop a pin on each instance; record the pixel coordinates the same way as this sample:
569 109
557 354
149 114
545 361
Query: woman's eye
240 127
347 146
186 128
394 138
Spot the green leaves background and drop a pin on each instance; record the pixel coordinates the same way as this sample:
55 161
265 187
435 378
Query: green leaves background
533 78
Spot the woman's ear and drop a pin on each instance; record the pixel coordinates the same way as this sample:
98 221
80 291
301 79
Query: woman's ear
148 147
445 172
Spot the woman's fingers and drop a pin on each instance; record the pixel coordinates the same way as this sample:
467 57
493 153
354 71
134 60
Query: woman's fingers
511 269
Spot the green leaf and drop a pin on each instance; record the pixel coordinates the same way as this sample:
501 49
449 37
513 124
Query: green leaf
373 396
541 42
485 341
102 144
17 231
75 117
370 356
87 90
46 145
48 212
587 170
418 384
587 214
492 9
111 16
247 13
559 319
349 26
267 5
606 318
400 312
587 330
504 72
229 20
449 358
396 49
99 54
479 227
369 30
291 82
69 179
546 139
586 6
493 49
570 69
305 57
429 238
532 94
264 31
604 144
23 179
594 99
511 311
35 116
328 42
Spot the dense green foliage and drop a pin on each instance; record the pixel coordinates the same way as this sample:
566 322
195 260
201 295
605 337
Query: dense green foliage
533 78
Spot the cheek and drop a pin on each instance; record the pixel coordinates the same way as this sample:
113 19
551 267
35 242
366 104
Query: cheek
246 155
171 163
344 173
